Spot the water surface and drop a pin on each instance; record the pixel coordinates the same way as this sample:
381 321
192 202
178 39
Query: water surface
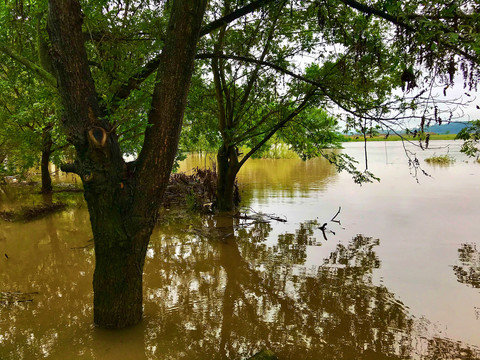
397 278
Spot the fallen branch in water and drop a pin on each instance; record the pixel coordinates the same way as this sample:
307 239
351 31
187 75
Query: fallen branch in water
338 212
259 216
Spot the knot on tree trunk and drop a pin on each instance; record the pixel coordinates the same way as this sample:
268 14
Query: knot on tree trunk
97 136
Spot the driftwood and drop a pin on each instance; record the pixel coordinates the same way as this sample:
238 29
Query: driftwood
338 212
324 226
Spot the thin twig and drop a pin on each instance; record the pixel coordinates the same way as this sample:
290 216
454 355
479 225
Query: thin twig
338 212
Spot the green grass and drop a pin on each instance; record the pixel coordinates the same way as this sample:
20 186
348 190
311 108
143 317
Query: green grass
440 160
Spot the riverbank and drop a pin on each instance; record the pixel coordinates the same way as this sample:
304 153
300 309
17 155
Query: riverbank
383 137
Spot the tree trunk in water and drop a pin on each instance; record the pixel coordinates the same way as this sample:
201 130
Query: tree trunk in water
123 198
46 152
227 168
117 280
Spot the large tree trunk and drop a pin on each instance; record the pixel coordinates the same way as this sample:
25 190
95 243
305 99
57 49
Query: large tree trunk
123 198
120 248
227 168
46 152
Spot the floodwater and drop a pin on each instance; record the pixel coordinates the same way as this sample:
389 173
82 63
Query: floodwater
395 276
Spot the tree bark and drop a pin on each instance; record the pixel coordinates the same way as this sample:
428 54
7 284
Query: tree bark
227 168
123 199
46 152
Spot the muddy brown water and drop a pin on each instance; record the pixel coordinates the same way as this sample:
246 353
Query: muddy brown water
397 278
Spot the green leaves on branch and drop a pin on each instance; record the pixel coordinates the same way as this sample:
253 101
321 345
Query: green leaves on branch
471 137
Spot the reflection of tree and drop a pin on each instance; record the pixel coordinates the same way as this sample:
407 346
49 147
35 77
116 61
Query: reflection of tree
468 272
213 290
292 247
365 318
248 296
289 176
41 260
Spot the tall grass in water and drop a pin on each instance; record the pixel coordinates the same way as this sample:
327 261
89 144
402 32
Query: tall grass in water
440 160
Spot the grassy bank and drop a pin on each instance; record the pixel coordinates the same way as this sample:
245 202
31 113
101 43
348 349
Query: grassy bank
356 138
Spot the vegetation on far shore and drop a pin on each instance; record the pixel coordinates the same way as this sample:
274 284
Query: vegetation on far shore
383 137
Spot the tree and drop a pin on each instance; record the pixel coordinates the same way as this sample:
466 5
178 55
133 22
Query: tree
27 106
122 198
253 105
30 134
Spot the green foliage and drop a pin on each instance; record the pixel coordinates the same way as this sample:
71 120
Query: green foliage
27 101
354 54
191 201
471 137
312 131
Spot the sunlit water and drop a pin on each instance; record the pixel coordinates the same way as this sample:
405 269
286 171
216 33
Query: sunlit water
397 278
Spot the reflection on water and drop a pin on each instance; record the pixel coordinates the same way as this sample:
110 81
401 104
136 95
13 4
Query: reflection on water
468 272
215 294
261 179
219 288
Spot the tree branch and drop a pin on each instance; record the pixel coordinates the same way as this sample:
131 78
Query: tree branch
254 74
41 73
255 5
398 21
137 79
249 132
282 123
134 82
260 62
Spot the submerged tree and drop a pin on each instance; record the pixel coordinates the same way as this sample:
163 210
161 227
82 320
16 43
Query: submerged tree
122 198
252 104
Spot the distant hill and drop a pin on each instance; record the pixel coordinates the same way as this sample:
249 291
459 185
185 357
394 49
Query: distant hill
452 128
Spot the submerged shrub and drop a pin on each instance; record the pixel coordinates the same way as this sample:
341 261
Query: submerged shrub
440 159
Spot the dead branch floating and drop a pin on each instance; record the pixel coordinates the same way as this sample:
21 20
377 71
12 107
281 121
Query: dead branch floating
258 217
14 297
338 212
29 213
